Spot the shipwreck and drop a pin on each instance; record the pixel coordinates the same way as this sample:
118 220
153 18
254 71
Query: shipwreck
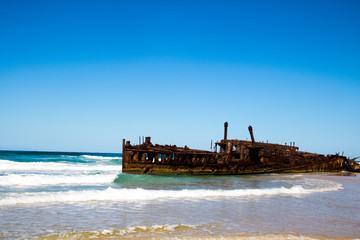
233 158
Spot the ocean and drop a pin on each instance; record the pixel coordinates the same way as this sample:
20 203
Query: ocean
58 195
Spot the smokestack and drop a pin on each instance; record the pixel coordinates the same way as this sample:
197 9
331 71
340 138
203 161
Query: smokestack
225 130
251 134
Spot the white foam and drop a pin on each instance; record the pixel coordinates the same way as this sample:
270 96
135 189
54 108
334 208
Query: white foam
100 157
6 165
129 232
25 180
166 227
247 237
140 194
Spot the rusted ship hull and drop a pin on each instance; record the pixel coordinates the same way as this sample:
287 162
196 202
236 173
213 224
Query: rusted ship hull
224 170
234 157
213 165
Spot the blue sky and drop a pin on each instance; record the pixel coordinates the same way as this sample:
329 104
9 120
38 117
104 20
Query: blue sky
82 75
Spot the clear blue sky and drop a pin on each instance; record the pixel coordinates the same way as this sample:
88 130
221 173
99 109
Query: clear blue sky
82 75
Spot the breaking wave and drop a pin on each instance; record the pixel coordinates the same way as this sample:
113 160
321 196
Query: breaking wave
6 165
21 180
157 233
140 232
100 157
136 229
170 231
139 194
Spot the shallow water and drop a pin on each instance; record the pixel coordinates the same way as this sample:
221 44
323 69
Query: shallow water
85 195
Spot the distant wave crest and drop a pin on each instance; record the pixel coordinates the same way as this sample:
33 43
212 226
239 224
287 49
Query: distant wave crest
100 157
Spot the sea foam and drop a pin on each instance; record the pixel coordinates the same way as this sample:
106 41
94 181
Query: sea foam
26 180
6 165
100 157
139 194
135 231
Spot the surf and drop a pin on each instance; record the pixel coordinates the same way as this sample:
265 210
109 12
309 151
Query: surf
34 180
140 194
100 157
7 165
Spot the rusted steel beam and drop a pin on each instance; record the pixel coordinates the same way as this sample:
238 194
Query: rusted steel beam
251 134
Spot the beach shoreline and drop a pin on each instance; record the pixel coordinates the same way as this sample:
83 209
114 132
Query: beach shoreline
78 196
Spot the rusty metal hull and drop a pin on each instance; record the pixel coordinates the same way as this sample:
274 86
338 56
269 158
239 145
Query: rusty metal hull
234 157
244 158
159 169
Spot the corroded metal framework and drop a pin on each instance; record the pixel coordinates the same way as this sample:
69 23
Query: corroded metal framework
234 157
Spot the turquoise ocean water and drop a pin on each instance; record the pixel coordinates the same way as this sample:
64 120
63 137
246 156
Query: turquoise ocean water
59 195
